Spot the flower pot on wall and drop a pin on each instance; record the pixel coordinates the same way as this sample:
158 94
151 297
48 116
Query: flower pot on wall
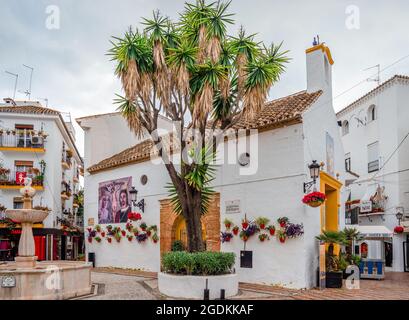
315 204
333 279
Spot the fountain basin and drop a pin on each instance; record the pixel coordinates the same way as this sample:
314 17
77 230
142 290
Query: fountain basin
27 215
49 280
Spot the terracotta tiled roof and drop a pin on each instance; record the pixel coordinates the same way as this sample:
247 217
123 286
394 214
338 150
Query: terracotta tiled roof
281 110
276 113
28 109
378 88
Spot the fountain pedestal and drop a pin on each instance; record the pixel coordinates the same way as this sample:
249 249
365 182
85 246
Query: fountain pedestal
45 279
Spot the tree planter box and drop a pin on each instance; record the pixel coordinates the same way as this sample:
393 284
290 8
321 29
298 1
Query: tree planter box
333 279
192 287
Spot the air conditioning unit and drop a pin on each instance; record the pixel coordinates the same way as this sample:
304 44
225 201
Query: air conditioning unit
37 140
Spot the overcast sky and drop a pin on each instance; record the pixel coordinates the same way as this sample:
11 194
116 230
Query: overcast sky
72 71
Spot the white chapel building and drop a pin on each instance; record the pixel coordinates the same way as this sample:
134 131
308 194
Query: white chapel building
292 132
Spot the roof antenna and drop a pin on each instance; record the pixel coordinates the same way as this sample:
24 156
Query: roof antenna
46 101
15 82
28 92
378 77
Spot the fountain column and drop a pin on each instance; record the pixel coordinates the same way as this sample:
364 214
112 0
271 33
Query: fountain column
26 217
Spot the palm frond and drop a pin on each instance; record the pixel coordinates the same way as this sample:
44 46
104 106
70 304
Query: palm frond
130 111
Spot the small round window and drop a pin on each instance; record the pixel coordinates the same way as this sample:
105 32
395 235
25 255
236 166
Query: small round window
244 159
144 179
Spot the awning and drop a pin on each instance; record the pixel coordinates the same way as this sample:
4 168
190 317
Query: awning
377 232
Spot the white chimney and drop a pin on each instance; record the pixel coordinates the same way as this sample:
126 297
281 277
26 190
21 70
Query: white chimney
319 69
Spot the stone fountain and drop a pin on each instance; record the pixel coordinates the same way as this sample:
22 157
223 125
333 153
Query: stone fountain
25 278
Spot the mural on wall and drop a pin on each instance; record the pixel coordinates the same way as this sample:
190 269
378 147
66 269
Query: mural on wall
330 154
113 201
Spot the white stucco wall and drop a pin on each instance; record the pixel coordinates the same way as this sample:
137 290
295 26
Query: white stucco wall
389 129
50 196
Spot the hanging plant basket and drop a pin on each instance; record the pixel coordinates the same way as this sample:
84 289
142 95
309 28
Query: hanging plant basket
314 199
399 229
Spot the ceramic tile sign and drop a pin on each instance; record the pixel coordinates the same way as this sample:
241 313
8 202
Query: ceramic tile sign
232 207
8 282
90 221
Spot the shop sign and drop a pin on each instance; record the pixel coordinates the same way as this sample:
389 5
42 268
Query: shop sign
8 282
366 206
233 206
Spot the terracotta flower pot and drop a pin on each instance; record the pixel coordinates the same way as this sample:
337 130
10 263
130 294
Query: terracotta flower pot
282 240
227 225
283 224
315 204
236 231
262 225
90 240
102 234
123 232
244 225
109 240
272 232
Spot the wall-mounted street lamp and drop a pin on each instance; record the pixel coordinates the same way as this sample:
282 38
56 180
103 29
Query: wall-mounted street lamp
314 173
134 196
399 214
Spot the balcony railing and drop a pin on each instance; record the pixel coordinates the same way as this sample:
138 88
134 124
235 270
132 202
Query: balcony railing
14 178
21 139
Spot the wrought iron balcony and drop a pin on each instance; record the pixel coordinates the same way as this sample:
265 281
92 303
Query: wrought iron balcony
22 140
14 179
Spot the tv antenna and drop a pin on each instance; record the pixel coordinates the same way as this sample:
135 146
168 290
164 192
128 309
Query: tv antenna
378 76
28 92
15 82
46 101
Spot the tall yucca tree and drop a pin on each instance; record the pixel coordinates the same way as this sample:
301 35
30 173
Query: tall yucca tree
194 73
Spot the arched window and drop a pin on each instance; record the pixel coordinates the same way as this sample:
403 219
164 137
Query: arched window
371 113
345 127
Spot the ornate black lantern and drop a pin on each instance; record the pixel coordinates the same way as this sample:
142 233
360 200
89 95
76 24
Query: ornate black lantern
314 168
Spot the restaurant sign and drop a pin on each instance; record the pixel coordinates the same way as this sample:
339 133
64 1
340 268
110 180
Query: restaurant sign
366 206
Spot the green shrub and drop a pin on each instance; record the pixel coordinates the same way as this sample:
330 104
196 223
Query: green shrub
198 263
177 245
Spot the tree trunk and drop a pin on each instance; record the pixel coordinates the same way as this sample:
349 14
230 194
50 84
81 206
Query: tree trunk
192 213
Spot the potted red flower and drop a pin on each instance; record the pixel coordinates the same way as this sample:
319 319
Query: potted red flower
227 223
244 224
90 239
262 221
282 221
143 226
236 230
398 229
262 237
98 239
155 238
134 216
271 229
109 240
314 199
129 237
102 234
123 233
282 235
